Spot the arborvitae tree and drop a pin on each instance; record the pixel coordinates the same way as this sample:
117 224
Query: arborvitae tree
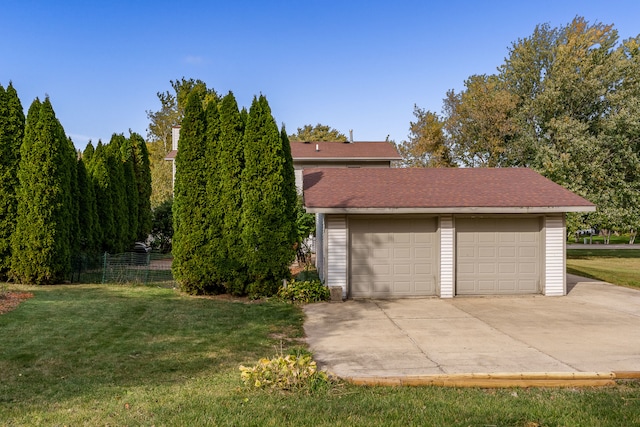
87 154
41 242
131 188
189 207
11 134
89 163
231 163
143 182
215 249
267 228
289 189
99 173
87 218
118 193
74 194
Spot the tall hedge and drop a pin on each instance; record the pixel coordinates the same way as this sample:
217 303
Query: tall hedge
267 227
231 164
12 122
41 242
215 248
142 172
190 209
99 176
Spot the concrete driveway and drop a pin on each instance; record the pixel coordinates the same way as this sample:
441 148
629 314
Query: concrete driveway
595 328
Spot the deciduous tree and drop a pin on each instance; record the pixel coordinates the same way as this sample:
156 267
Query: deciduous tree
318 132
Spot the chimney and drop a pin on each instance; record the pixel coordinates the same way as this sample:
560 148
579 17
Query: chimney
317 147
350 135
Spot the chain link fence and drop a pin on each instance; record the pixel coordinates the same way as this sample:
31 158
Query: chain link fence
128 267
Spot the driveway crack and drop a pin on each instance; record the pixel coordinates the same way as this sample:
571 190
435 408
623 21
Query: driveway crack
406 334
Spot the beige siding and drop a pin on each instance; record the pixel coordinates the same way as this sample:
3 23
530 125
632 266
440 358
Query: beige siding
336 236
555 267
446 256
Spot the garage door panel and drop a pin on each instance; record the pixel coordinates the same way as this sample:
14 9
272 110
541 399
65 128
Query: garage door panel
507 285
423 253
399 238
527 252
486 238
485 268
392 257
486 252
424 269
402 253
401 287
497 256
401 269
507 268
507 252
486 285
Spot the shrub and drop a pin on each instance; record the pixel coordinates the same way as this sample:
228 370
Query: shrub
284 373
307 276
304 292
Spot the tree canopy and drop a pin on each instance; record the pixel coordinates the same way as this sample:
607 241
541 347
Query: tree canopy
565 102
170 114
318 132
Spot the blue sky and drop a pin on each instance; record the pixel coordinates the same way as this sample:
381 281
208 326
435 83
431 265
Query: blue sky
358 65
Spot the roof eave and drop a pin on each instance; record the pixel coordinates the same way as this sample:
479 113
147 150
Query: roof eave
330 159
454 210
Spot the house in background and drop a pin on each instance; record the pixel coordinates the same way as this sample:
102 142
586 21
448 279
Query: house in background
348 154
395 232
359 154
171 155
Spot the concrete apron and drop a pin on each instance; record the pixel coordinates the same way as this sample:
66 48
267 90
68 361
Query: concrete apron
589 337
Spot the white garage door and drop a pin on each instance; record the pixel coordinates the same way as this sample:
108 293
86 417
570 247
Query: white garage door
497 256
392 257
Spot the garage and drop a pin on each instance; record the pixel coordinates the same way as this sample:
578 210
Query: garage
393 257
497 256
405 232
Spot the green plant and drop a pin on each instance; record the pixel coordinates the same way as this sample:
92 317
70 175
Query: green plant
4 291
304 292
288 372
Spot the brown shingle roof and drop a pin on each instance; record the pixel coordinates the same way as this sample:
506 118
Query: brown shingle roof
436 190
376 150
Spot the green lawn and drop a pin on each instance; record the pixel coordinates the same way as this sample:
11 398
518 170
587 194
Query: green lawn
620 267
121 355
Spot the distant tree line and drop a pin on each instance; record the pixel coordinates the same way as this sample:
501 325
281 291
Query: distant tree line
56 204
565 102
234 210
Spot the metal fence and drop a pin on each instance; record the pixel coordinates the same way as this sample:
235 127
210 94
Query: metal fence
127 267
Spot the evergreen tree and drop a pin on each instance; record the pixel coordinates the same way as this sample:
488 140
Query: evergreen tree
118 193
11 134
99 175
96 231
231 163
189 208
289 189
130 188
87 217
214 220
41 242
143 183
266 223
71 160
